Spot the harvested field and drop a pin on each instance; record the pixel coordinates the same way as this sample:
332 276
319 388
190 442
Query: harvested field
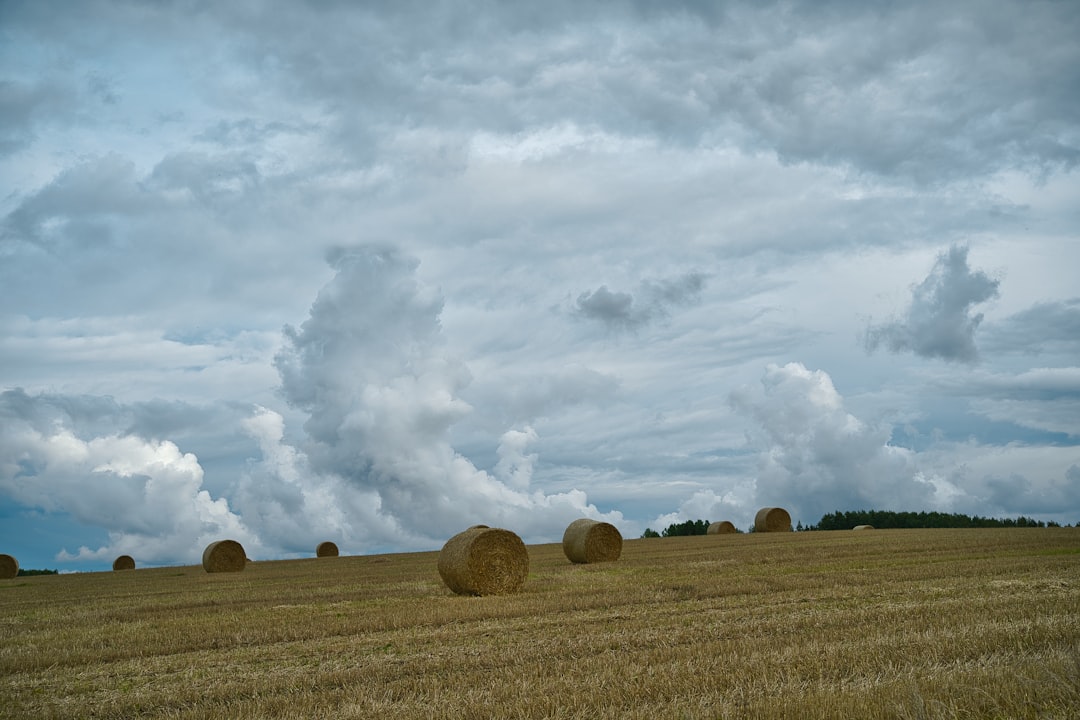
889 624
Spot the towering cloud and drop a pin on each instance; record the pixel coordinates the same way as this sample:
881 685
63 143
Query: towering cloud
939 322
370 369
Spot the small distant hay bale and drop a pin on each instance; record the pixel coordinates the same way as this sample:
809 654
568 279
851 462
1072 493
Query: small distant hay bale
723 527
9 567
772 519
863 527
224 556
591 541
326 549
124 562
484 561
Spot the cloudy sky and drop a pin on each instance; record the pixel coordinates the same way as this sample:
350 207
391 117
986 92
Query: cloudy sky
376 272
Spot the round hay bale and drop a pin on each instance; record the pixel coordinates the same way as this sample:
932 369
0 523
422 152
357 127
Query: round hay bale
863 527
772 519
484 561
224 556
326 549
721 528
124 562
590 541
9 567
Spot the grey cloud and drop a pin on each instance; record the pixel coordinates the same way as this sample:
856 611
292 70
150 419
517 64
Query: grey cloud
893 92
551 392
1016 494
1044 327
939 323
622 311
213 180
22 105
79 204
230 133
920 92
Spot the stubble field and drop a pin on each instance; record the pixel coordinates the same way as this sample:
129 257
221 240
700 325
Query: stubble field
874 624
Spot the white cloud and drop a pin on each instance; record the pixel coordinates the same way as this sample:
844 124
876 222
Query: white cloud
148 494
816 457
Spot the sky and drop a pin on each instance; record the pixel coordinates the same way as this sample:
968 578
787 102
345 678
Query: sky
289 272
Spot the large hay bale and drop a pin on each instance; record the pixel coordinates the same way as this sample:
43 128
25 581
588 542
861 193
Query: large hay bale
224 556
9 567
772 519
484 561
124 562
590 541
722 527
863 527
326 549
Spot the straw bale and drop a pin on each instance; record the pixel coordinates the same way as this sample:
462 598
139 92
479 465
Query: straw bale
224 556
590 541
326 549
484 561
124 562
9 567
863 527
721 528
772 519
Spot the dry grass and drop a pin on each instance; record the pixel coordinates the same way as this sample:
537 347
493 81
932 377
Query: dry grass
890 624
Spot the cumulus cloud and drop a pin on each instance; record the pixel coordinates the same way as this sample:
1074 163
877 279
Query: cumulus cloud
654 300
381 392
147 493
816 457
734 505
939 322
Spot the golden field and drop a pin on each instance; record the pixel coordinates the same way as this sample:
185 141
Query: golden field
874 624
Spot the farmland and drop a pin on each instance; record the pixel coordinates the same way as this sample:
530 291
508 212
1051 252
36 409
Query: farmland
886 623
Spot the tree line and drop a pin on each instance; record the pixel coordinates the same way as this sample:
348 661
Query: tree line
690 527
845 520
883 519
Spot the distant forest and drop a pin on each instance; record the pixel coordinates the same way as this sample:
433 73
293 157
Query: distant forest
690 527
884 519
